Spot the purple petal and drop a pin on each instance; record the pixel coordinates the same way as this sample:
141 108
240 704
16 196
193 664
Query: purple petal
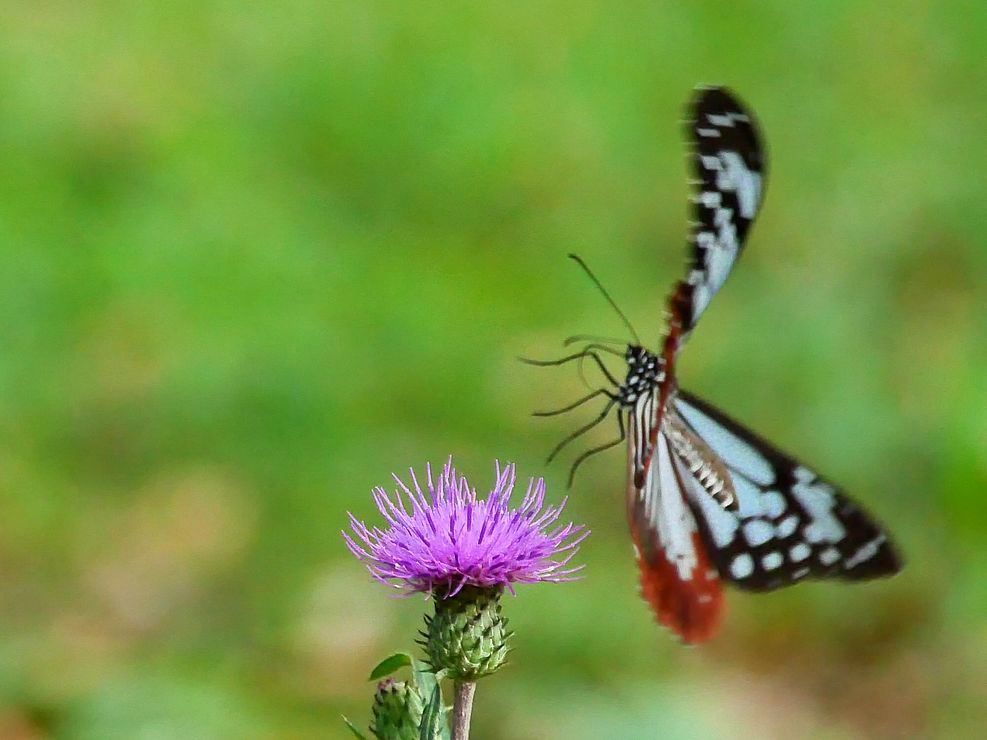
451 538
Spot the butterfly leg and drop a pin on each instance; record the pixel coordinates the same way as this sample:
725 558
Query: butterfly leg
589 453
593 338
582 430
570 358
575 404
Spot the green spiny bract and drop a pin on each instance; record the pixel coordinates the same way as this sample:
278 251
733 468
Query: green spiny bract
398 709
467 636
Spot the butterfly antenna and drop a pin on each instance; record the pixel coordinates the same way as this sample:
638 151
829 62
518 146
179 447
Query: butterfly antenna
579 261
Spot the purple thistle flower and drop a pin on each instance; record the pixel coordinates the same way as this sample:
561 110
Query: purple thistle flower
450 539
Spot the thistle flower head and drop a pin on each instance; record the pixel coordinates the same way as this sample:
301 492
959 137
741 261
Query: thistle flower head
445 538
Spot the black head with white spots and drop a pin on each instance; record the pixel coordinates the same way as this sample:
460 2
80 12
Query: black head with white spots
645 370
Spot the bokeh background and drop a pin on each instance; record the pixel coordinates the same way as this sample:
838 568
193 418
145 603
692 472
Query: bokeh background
253 258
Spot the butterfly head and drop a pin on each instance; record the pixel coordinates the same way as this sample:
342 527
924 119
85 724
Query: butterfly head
645 370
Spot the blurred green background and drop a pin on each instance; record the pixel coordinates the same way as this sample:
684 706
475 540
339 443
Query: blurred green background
255 258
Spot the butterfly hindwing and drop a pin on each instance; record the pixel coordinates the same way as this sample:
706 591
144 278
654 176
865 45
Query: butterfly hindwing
729 166
678 579
788 524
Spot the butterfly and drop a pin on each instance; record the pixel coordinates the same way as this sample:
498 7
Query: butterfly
709 501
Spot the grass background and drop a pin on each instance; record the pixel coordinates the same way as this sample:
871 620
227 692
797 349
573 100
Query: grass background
253 258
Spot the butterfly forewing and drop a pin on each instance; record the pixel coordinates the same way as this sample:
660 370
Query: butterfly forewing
788 524
729 165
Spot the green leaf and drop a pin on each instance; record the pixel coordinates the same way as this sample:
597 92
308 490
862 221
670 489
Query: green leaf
390 664
433 718
425 680
445 732
427 683
353 728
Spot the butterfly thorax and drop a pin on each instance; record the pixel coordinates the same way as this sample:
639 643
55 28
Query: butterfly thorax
645 370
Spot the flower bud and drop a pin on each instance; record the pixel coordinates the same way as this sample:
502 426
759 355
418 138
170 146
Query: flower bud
397 711
467 635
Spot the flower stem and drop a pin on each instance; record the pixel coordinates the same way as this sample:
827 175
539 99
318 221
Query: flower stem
462 709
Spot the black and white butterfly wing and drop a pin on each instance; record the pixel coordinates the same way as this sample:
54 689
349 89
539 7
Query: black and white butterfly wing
678 579
729 166
786 523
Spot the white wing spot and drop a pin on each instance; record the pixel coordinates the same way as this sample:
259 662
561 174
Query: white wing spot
747 184
750 504
757 532
772 560
799 552
787 526
705 240
708 132
701 298
865 553
804 475
813 533
829 556
742 566
800 573
818 500
773 503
